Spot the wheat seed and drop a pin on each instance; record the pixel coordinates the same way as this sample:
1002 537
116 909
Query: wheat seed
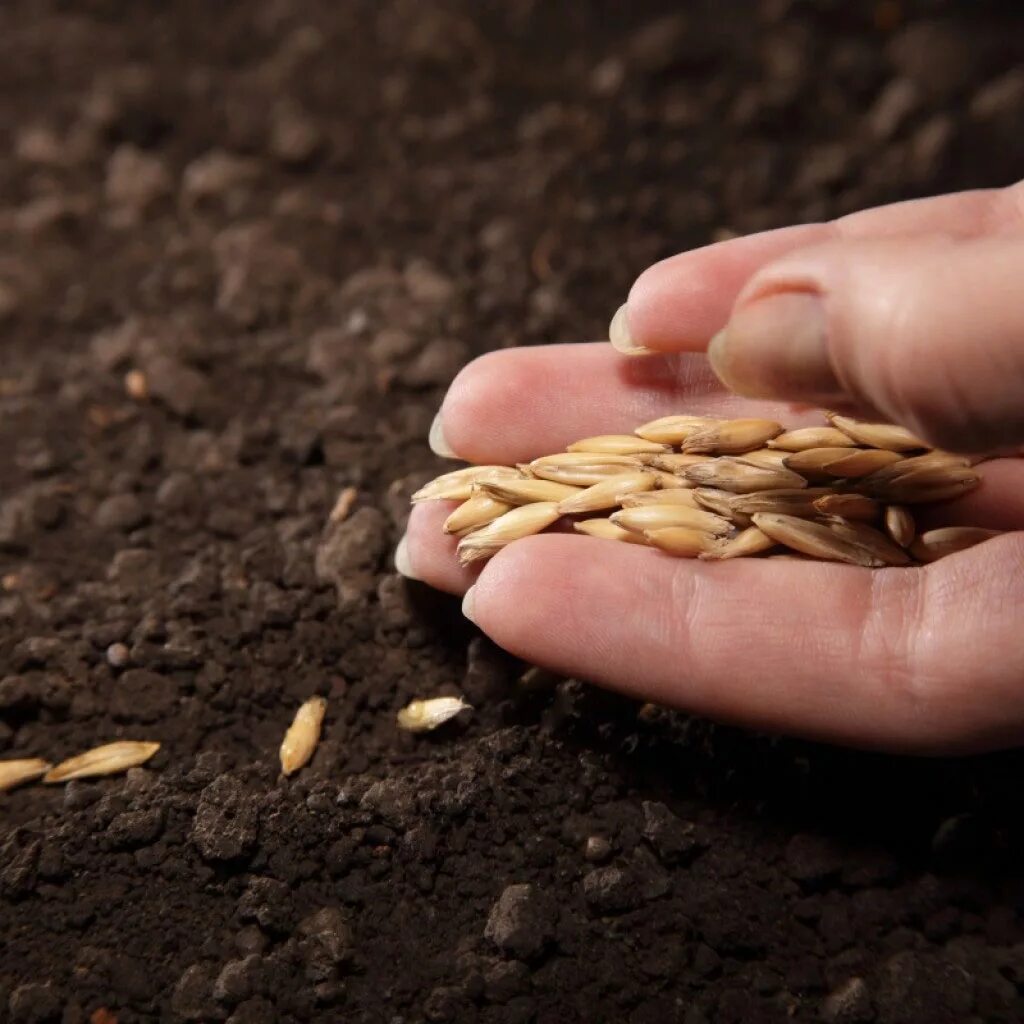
787 502
899 524
812 437
672 429
669 496
458 484
303 735
745 544
766 458
814 539
427 715
343 505
840 462
669 481
605 494
848 505
949 540
16 773
731 437
584 469
617 444
659 517
527 490
607 530
105 760
871 540
681 541
677 462
738 478
520 522
877 435
472 514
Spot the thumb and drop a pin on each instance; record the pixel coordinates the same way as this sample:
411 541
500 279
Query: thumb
929 333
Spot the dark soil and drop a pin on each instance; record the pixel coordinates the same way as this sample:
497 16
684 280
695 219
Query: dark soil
297 219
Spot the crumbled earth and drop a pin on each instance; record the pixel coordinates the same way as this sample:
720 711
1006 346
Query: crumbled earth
243 248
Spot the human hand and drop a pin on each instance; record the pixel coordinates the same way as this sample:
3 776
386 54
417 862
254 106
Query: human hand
915 311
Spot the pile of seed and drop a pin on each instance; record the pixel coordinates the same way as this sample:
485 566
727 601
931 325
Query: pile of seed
699 487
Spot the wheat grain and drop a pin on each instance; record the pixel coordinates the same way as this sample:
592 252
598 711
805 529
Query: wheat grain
475 512
303 735
787 502
658 517
814 539
605 494
669 496
731 437
681 541
766 458
605 529
877 435
840 462
458 484
17 772
668 481
527 490
737 477
849 506
105 760
677 462
899 524
745 544
520 522
871 540
812 437
673 429
949 540
592 470
427 715
617 444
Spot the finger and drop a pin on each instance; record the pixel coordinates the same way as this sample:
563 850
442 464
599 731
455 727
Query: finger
516 404
677 305
426 553
930 333
906 659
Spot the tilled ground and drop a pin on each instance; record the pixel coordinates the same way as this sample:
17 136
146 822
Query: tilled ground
295 221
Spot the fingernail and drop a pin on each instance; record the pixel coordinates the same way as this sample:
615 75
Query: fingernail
777 347
468 600
403 564
619 336
438 442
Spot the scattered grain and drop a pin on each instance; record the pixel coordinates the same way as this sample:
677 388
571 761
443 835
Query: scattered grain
105 760
427 715
303 735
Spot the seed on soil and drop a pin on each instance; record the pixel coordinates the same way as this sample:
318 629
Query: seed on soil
949 540
606 494
812 437
475 512
617 444
877 435
740 478
899 524
105 760
343 505
607 530
658 517
681 541
136 385
426 715
814 539
520 522
303 735
731 437
17 772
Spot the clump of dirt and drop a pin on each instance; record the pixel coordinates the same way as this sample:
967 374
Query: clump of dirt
244 248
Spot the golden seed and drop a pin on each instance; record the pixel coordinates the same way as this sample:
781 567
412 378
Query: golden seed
925 485
676 462
524 491
617 444
871 540
458 484
861 462
786 501
900 525
670 496
303 735
813 539
764 457
520 522
104 760
343 505
672 429
606 493
426 715
658 517
477 511
605 529
849 506
731 437
739 478
812 437
18 772
877 435
669 481
681 541
948 540
748 542
932 462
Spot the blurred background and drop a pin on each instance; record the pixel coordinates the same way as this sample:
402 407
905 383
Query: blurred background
244 247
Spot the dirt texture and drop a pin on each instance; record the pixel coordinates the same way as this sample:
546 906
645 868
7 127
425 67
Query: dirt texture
243 249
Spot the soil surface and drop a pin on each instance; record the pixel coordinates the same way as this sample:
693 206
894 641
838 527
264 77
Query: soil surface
243 249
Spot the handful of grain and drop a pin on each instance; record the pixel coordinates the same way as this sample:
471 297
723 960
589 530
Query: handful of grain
698 487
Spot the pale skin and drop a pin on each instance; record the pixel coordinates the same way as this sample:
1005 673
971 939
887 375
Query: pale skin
912 313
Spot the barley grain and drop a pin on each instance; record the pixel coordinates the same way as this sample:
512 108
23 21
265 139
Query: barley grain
677 462
811 437
748 542
840 462
105 760
739 478
427 715
658 517
520 522
458 484
670 496
672 429
949 540
899 524
525 491
871 540
17 772
343 505
877 435
814 539
606 493
474 513
617 444
731 437
681 541
303 735
787 501
849 506
766 458
605 529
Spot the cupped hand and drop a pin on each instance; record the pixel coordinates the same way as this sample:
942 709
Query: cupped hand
915 312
